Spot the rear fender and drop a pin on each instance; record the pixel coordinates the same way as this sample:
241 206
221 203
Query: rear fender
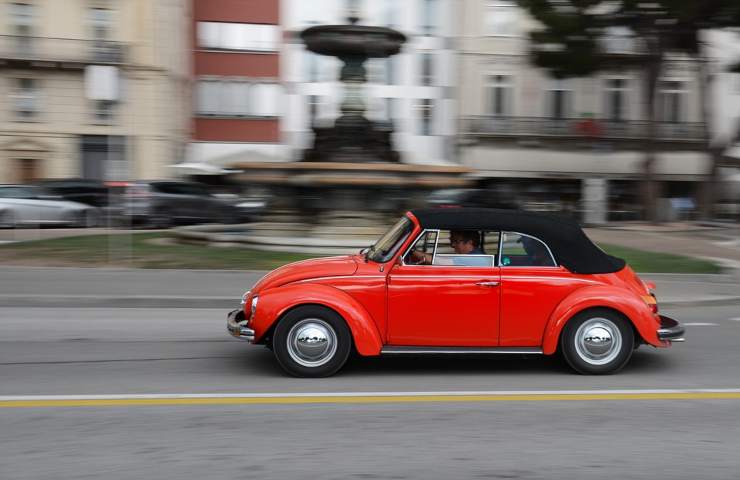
601 296
275 302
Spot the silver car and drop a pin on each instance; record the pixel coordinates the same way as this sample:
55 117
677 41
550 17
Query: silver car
30 205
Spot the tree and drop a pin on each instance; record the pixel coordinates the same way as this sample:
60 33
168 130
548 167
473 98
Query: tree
574 41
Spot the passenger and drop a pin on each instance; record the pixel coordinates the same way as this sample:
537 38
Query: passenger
537 254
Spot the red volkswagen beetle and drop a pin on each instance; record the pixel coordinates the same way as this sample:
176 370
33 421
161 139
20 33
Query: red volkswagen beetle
460 281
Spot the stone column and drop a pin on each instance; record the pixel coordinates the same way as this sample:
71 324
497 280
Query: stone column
594 199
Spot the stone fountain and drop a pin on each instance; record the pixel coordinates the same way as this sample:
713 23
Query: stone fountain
349 185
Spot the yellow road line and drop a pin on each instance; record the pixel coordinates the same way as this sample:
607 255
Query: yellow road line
364 399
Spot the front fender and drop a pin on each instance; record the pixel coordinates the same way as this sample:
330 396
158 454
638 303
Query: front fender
275 302
605 296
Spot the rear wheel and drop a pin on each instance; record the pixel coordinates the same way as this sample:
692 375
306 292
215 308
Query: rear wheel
597 342
311 341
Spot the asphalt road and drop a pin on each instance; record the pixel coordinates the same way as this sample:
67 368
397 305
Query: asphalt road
91 351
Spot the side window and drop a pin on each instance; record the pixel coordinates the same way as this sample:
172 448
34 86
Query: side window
468 248
423 250
519 250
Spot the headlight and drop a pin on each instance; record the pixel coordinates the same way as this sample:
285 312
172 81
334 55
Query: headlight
254 306
244 297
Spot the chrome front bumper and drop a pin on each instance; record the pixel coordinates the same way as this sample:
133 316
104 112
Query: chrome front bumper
670 330
237 326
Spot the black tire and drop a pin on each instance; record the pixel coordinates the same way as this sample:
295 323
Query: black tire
597 356
312 359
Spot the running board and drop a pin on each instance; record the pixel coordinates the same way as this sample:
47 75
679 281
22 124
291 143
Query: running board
401 350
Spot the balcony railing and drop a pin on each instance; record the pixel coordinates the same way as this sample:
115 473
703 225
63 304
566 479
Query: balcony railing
16 49
566 128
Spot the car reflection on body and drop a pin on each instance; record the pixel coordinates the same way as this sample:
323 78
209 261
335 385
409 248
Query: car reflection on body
31 205
537 285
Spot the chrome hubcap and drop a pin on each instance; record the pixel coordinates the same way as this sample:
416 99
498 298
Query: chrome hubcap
598 341
312 342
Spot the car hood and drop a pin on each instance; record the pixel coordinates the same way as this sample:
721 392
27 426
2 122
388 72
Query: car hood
315 268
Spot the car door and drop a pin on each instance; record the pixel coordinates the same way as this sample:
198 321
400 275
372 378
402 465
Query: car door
444 303
532 285
20 200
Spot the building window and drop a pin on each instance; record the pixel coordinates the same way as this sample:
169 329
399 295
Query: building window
238 36
615 93
559 100
22 21
26 98
500 95
672 101
22 18
314 108
501 18
104 111
390 12
101 23
311 61
390 112
425 108
229 98
391 67
427 69
618 40
428 16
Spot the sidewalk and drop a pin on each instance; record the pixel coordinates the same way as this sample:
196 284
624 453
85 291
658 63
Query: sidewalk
131 288
720 245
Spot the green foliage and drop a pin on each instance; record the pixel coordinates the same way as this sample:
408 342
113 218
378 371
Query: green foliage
571 40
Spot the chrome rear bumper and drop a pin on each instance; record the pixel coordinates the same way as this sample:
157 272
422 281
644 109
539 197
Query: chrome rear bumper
237 326
670 330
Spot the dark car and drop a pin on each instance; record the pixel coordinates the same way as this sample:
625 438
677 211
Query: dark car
89 192
165 203
469 197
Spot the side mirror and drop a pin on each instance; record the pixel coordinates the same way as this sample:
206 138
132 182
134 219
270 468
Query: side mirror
399 260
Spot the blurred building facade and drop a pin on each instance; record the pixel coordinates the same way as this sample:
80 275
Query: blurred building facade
237 91
572 144
414 90
93 88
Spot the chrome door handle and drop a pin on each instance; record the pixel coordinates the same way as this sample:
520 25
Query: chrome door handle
487 284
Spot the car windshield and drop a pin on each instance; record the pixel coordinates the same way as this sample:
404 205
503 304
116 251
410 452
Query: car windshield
20 192
389 243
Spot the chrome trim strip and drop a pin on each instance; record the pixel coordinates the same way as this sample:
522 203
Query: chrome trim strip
412 350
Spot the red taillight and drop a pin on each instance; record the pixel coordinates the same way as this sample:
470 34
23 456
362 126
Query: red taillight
651 302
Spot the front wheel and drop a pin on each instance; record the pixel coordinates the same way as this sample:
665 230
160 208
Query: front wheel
312 341
597 342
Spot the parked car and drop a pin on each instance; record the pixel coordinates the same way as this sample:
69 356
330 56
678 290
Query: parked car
89 192
468 197
533 284
32 205
165 203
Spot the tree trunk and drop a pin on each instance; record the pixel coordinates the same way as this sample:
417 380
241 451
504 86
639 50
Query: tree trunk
650 189
708 189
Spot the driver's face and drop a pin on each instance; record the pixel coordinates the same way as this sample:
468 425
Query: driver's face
460 245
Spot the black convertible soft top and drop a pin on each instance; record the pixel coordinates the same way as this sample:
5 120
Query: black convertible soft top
571 247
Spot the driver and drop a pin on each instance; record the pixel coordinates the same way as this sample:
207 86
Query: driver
462 242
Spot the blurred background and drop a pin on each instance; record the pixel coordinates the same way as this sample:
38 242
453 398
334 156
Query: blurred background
121 113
